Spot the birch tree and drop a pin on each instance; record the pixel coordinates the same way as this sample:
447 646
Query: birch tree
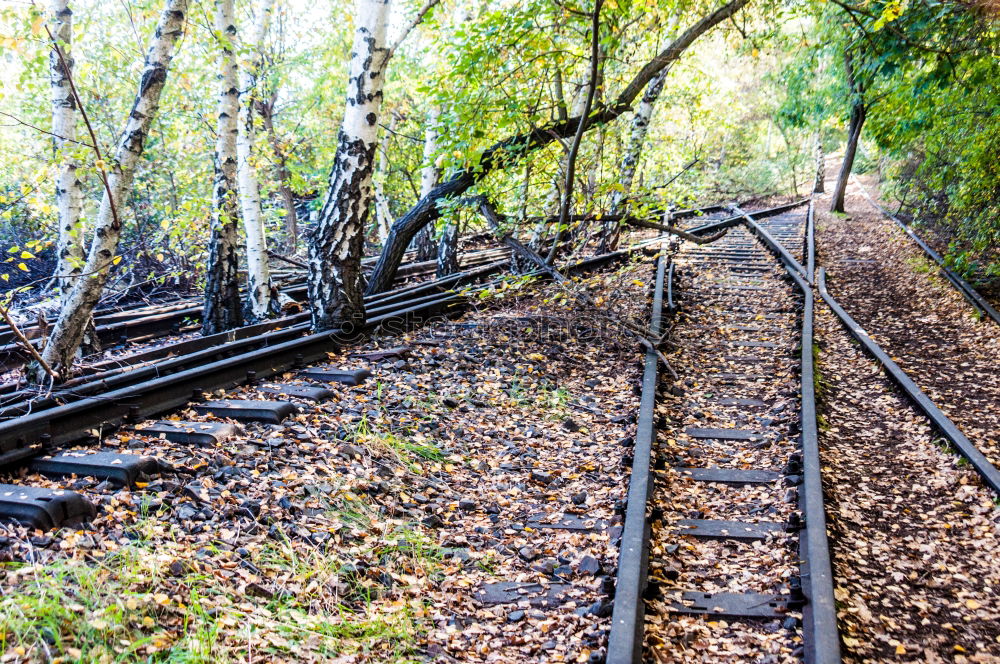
117 177
222 310
383 216
258 271
69 189
429 176
335 288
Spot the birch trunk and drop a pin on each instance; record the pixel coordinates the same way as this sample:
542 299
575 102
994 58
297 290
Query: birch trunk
258 271
79 306
335 287
282 175
637 139
69 189
820 183
429 176
383 215
222 310
447 252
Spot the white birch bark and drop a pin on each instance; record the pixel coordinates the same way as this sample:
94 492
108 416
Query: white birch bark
820 181
637 138
69 189
222 308
79 306
258 270
429 176
383 215
335 288
430 173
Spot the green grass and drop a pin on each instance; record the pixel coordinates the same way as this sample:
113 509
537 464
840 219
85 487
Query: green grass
921 265
127 606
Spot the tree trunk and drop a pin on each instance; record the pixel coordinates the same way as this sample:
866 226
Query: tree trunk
555 199
78 309
447 251
258 271
222 309
282 175
633 151
429 176
426 210
383 215
858 113
820 182
69 189
335 288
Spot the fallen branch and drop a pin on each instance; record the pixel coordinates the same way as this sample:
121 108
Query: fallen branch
286 259
23 341
673 230
493 219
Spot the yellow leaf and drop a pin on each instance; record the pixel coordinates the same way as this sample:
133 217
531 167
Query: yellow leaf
537 357
972 604
116 260
99 164
159 257
5 277
27 254
755 52
36 25
900 649
22 266
148 622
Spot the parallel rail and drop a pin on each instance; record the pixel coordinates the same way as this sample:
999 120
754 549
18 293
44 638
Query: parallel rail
965 447
961 285
37 433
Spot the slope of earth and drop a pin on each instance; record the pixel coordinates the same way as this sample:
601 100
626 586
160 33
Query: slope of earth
897 295
366 528
914 534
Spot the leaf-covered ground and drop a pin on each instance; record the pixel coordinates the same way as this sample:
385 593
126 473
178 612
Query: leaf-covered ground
361 529
914 533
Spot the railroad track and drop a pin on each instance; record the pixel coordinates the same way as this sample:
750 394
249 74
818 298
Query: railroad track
146 323
726 461
133 399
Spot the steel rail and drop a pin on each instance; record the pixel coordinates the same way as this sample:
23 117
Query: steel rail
961 285
965 447
224 344
628 614
159 323
819 615
792 265
35 433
